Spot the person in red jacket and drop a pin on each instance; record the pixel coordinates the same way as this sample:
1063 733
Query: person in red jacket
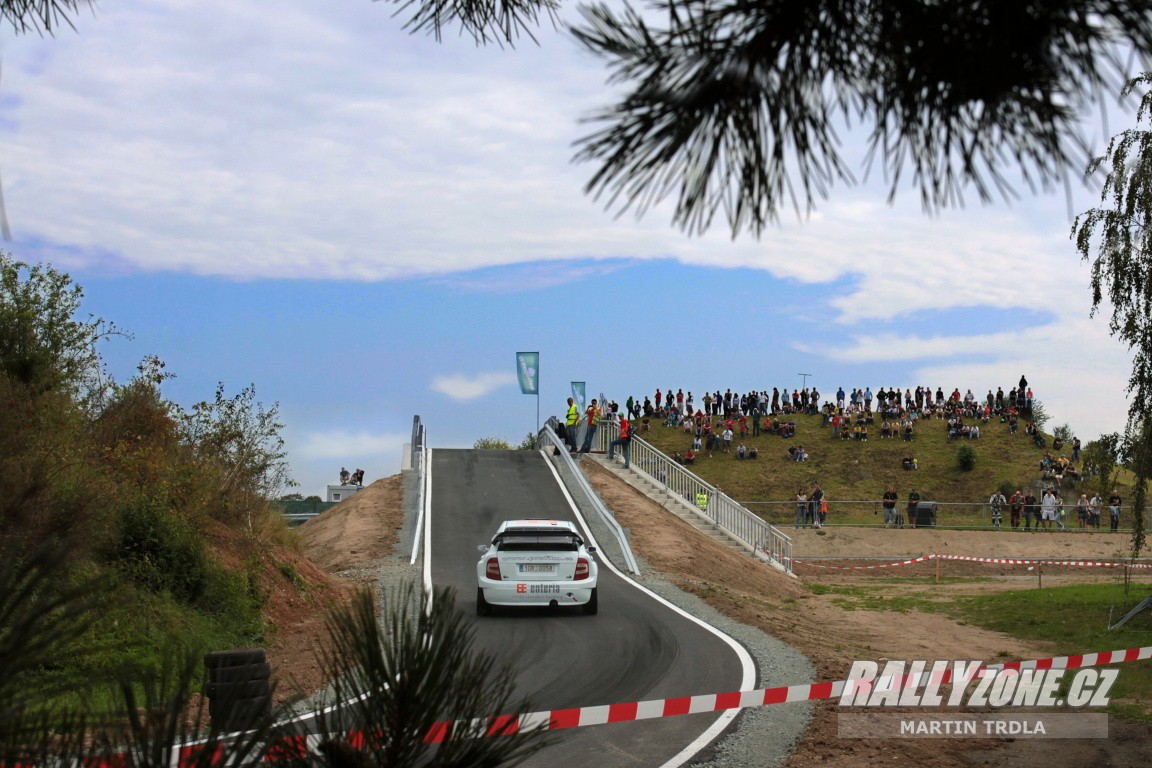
624 440
1015 507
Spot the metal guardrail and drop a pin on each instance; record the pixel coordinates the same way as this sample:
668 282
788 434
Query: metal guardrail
548 441
739 522
417 442
419 463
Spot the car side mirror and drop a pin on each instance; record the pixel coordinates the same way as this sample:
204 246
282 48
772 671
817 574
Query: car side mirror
483 547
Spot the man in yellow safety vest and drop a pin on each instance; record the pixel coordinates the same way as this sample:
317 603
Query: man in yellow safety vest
571 425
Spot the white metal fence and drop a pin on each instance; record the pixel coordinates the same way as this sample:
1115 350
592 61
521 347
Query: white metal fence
583 494
973 515
711 501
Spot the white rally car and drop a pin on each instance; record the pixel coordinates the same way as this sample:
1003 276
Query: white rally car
536 562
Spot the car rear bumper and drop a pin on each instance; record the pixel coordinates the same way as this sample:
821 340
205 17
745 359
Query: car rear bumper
537 592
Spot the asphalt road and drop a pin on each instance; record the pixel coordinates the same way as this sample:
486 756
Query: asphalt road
634 649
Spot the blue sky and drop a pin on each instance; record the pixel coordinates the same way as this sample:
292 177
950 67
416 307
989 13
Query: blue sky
368 225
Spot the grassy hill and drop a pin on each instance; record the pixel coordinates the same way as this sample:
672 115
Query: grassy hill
859 471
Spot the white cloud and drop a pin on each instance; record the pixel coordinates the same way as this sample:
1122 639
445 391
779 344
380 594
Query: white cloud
344 445
461 387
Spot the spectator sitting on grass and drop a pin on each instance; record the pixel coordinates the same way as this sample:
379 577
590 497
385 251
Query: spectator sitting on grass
752 452
690 456
797 453
741 452
676 457
909 463
696 443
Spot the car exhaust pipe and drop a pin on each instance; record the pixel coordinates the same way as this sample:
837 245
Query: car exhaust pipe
554 604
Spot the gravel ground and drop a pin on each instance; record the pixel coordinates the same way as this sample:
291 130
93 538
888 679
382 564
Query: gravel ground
761 736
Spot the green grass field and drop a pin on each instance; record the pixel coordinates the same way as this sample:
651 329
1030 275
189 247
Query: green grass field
1074 619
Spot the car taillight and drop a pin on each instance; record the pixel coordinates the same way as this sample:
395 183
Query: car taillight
581 569
492 569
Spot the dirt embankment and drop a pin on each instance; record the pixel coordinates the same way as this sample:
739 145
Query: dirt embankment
342 550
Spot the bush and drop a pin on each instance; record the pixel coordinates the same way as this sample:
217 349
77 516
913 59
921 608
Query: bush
160 552
491 443
966 458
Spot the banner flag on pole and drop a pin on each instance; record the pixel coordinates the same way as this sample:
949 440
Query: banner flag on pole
578 393
528 372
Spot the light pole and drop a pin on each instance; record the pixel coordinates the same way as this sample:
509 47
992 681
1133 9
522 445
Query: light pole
804 380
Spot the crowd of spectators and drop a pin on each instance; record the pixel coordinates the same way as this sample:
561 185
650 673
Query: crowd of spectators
720 422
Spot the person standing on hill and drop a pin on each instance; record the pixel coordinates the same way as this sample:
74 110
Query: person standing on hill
624 440
571 424
1094 511
1114 509
1047 508
819 508
997 502
888 501
592 417
1082 511
1015 507
801 508
1031 509
913 503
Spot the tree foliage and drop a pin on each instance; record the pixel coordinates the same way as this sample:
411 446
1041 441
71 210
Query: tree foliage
491 443
485 21
126 479
1116 238
240 439
44 345
733 107
40 16
1100 458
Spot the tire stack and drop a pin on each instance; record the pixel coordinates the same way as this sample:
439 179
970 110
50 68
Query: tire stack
239 690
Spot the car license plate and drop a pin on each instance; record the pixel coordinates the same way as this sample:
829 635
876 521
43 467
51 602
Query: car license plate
537 568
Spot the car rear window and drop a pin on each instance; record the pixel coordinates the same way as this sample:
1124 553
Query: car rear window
527 542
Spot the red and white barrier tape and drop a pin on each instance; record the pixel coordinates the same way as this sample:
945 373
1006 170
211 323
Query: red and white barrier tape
558 719
580 717
858 567
970 559
1015 561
